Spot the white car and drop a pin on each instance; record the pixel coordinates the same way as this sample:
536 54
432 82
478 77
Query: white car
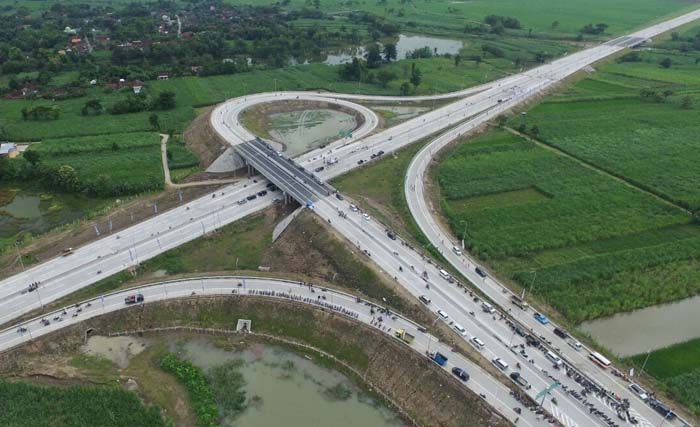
365 216
575 345
476 342
460 329
499 363
442 315
353 208
457 250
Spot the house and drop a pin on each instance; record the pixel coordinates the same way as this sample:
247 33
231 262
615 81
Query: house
8 149
136 86
75 41
163 76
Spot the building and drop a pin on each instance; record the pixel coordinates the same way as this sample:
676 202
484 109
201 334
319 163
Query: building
163 76
8 149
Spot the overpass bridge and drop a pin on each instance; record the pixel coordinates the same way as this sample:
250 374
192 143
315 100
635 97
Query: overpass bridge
292 178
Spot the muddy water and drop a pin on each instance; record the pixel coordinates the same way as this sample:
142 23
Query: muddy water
404 45
37 213
117 349
289 390
647 329
304 130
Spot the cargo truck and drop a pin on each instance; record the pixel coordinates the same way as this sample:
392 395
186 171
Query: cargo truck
404 336
437 357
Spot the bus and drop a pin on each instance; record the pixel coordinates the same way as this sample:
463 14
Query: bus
599 360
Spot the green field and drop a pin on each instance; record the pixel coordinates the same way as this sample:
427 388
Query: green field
591 243
25 404
678 370
595 213
449 18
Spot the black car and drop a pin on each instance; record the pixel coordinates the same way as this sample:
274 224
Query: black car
480 272
561 333
262 193
318 169
252 197
359 162
391 235
460 373
270 185
338 196
380 152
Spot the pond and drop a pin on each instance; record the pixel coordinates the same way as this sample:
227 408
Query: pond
651 328
291 391
26 211
304 130
404 45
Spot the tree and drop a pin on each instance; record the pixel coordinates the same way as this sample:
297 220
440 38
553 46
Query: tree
385 76
687 103
416 76
154 121
164 101
91 106
666 63
66 178
373 56
555 25
477 60
458 59
33 157
534 130
390 52
405 88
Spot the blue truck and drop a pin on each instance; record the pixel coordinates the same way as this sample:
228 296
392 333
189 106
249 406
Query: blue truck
437 357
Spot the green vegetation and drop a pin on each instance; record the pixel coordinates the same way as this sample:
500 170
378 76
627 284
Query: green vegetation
238 246
598 224
197 386
677 368
338 392
25 404
587 243
226 382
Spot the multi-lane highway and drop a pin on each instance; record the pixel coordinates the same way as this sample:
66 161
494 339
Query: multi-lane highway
470 109
349 306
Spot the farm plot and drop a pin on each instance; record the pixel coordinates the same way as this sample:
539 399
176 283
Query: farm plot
593 244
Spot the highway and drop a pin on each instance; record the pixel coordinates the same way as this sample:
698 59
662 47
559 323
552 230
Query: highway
471 109
348 306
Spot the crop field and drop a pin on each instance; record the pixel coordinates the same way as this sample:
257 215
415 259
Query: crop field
678 369
449 18
25 404
591 244
122 163
652 144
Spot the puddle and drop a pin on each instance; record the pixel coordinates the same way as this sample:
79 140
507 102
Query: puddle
404 45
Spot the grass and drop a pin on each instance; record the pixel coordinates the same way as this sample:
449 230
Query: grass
75 406
678 369
238 246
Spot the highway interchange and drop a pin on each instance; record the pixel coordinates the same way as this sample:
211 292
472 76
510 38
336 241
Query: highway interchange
469 110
